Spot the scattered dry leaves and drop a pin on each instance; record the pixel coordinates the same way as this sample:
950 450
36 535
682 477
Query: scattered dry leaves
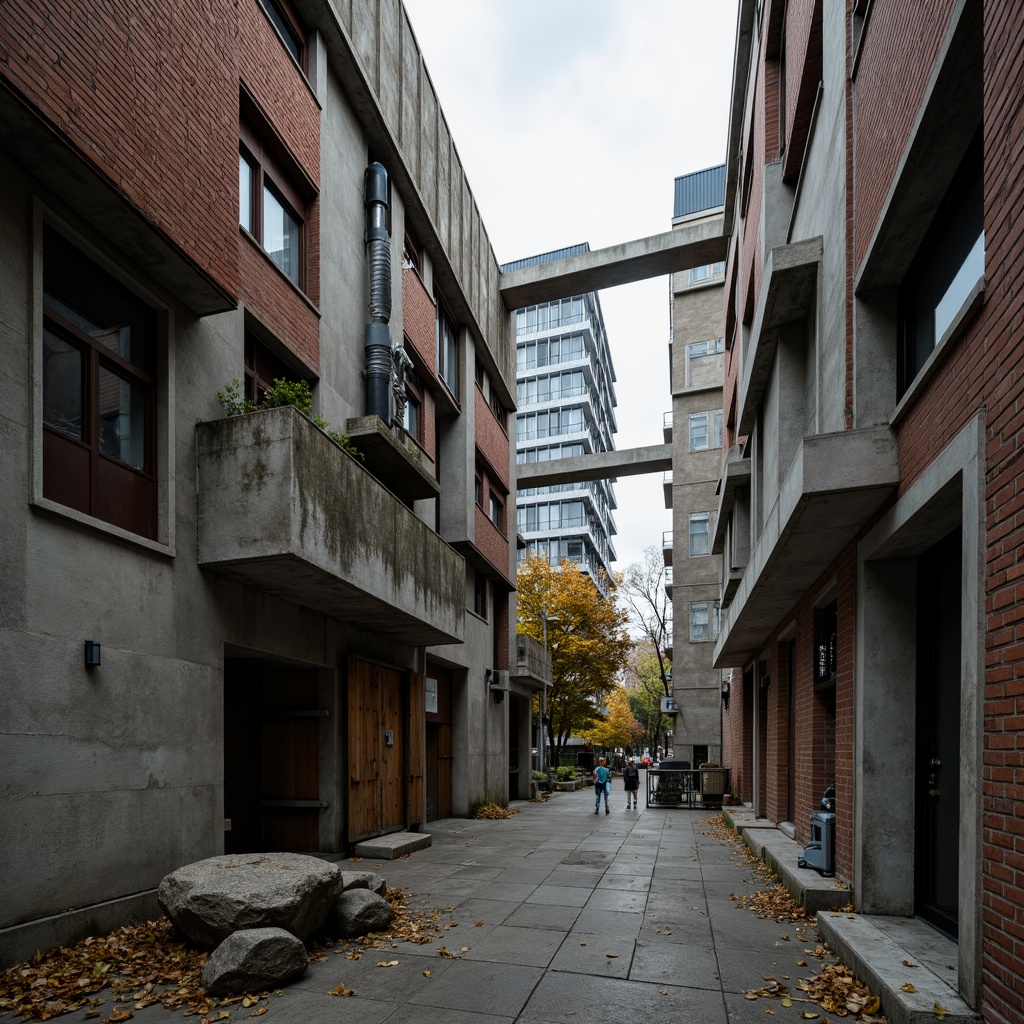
492 812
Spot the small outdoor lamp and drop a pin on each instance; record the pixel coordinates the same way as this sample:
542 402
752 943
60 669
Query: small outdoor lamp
92 654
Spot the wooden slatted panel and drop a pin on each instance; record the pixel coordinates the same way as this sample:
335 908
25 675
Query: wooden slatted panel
364 744
416 734
392 757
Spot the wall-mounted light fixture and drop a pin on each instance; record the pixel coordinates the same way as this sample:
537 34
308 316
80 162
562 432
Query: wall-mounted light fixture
92 654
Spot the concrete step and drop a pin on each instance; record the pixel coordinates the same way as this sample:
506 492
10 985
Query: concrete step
393 846
768 843
878 950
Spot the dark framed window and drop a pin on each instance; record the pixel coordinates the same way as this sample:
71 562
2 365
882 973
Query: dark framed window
495 509
447 349
411 254
270 208
99 368
945 271
262 368
478 491
289 28
480 594
413 421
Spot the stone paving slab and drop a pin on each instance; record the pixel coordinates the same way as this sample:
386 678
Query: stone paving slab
391 847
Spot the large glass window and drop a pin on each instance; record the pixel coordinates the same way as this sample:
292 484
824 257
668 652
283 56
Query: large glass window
700 534
705 621
99 391
269 208
288 28
950 263
705 430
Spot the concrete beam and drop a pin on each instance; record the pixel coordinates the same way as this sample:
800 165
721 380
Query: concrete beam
656 458
687 246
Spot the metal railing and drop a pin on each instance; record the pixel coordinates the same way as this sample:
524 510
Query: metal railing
687 787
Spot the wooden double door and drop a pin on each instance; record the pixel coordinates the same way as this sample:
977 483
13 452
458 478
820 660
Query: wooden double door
385 749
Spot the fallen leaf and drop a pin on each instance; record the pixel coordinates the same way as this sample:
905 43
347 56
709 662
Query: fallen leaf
479 924
801 963
749 995
940 1010
612 956
428 974
907 987
662 991
465 949
786 1001
907 963
810 1015
338 990
259 1013
873 1005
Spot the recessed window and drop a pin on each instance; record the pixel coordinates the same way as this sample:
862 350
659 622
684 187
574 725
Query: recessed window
289 29
99 392
700 534
494 510
270 208
705 621
705 430
447 349
413 421
480 594
949 264
262 368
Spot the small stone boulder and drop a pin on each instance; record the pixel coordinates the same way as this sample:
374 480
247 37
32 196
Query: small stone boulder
254 959
359 912
212 898
364 880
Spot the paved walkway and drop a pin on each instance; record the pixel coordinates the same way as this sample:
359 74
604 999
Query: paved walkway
570 917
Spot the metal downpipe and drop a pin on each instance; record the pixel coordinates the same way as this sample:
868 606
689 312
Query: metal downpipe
377 366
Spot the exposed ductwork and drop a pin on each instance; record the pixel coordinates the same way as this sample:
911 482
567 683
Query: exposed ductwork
376 337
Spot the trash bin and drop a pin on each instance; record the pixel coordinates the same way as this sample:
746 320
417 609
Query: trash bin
820 852
712 785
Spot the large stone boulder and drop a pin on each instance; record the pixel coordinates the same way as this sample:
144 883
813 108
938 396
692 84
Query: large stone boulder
359 912
364 880
254 959
212 898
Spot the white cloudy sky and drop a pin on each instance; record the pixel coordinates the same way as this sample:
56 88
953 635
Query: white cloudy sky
572 119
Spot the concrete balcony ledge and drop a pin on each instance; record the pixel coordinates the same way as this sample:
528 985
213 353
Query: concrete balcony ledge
283 509
837 481
393 459
735 473
787 295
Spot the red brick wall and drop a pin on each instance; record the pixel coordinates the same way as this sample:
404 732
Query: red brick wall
490 541
419 316
492 442
149 97
896 59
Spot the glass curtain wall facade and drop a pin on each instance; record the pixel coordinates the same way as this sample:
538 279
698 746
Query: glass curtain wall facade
565 395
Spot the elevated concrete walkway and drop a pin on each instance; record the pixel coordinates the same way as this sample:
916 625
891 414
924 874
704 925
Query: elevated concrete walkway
887 953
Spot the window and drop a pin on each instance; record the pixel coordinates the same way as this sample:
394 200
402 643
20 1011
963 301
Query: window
262 368
411 255
413 420
269 207
949 264
705 430
705 621
480 595
447 349
478 491
288 28
705 273
700 534
99 392
494 510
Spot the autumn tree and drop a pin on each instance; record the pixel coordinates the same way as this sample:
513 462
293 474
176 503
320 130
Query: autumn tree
618 727
642 679
642 590
586 637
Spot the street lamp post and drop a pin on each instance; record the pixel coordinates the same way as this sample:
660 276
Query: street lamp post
545 618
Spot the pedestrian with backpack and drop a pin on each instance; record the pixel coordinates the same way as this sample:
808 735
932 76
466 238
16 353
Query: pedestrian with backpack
602 783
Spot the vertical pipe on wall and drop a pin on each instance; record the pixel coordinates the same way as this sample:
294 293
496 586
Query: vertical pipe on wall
376 336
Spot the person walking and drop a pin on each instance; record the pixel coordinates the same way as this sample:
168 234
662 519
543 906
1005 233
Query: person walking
602 784
630 782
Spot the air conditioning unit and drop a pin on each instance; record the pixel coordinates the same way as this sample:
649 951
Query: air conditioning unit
669 706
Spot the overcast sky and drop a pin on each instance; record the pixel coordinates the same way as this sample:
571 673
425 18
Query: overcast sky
572 119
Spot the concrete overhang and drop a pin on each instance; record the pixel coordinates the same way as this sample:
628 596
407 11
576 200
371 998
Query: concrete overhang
532 670
38 147
392 458
690 245
656 458
284 510
787 296
835 485
735 473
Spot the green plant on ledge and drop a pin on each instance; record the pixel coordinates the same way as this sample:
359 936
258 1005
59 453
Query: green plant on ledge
565 773
285 392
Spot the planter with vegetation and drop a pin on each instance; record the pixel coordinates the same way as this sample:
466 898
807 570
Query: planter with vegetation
284 392
565 778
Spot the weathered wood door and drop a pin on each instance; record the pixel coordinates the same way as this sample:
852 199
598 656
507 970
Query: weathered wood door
385 749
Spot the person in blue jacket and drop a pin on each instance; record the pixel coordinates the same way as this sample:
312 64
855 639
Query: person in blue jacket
602 783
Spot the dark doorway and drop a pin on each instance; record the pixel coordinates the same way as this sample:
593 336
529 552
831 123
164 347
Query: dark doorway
440 757
271 757
937 867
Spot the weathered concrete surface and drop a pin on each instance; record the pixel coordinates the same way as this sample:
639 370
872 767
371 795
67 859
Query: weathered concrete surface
655 458
282 508
363 880
395 845
212 898
692 245
253 959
